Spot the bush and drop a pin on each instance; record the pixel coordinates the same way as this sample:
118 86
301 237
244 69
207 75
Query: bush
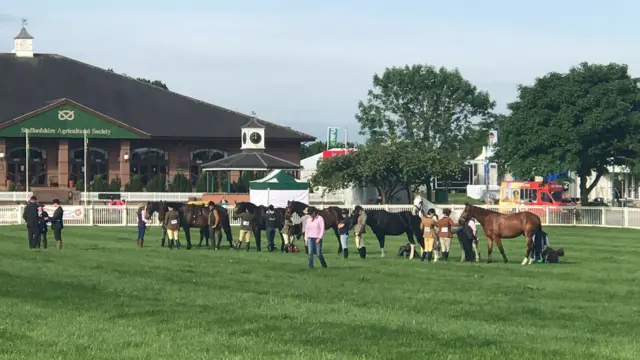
115 185
12 187
157 183
134 185
201 186
180 183
99 185
80 185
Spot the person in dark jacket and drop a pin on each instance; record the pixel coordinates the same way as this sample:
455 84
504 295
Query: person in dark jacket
142 226
270 225
57 223
30 216
466 238
343 231
43 217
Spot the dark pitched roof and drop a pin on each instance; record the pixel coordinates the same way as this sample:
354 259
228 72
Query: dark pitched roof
251 160
28 84
23 34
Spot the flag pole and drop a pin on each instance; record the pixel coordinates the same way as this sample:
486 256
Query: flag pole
26 165
86 184
346 141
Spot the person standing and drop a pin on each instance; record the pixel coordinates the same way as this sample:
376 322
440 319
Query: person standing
270 225
43 217
303 224
287 234
57 223
164 233
30 216
343 231
474 243
359 230
445 233
172 222
314 233
214 224
142 226
429 227
246 219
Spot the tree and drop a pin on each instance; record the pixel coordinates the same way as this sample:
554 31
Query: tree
99 185
135 184
180 183
310 149
432 109
115 185
584 121
157 183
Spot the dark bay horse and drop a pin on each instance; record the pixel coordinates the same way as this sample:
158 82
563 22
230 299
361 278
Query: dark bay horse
331 215
191 216
384 223
258 224
497 226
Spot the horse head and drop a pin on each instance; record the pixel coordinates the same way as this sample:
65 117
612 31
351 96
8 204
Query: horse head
296 207
242 207
150 208
467 213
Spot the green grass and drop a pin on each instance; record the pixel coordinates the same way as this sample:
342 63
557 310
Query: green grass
102 298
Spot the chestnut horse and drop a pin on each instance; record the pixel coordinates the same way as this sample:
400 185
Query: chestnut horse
331 215
497 226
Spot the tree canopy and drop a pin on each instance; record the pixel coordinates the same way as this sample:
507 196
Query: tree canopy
584 121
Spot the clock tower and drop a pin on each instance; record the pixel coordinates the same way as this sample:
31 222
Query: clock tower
23 42
252 136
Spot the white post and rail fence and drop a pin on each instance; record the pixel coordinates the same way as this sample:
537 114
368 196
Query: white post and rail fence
98 214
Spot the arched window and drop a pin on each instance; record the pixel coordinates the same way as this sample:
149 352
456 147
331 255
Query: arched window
97 162
16 166
149 162
199 157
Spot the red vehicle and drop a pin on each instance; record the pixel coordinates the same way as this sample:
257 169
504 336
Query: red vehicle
533 193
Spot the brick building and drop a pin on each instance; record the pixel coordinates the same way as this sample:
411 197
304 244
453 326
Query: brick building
133 127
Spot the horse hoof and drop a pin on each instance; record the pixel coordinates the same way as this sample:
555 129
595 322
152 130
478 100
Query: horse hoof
506 261
489 261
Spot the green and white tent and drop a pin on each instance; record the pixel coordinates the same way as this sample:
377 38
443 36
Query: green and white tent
277 188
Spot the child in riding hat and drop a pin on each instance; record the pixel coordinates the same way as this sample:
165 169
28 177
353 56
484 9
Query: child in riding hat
429 226
359 229
343 231
445 233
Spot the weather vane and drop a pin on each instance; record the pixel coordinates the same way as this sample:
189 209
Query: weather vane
24 22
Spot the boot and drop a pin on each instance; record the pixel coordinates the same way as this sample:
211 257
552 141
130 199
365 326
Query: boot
445 255
424 256
200 243
171 243
322 261
138 243
340 249
248 246
59 244
429 256
282 248
162 243
363 252
44 243
141 242
178 245
346 253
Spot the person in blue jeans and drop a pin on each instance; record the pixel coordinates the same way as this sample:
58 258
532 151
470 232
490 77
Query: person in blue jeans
314 232
142 226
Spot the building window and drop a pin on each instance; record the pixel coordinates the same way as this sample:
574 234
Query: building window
200 157
149 162
17 171
97 162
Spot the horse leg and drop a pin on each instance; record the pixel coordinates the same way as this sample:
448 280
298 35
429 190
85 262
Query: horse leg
187 236
412 245
489 249
504 255
381 238
529 245
335 231
228 234
257 233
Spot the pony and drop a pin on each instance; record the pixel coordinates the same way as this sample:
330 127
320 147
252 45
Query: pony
196 216
384 223
331 215
497 226
258 224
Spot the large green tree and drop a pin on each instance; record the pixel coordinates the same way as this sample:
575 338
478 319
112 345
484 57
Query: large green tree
435 110
584 121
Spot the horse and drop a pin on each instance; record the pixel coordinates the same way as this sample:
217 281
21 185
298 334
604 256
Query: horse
190 216
384 223
497 226
258 223
331 215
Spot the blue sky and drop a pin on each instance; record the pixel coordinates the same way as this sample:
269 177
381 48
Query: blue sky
305 64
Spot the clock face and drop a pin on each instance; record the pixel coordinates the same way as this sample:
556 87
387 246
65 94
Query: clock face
255 138
244 138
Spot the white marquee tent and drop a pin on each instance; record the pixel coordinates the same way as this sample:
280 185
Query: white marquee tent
277 188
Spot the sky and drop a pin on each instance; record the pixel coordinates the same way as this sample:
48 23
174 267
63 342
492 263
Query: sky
306 64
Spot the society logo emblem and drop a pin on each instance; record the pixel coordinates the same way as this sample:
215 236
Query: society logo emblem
66 115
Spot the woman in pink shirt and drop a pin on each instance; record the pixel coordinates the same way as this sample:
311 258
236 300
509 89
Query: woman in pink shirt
314 232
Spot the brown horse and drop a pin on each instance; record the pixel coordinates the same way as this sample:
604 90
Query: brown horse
331 215
196 216
497 226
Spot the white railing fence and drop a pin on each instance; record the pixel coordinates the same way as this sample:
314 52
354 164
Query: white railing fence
101 215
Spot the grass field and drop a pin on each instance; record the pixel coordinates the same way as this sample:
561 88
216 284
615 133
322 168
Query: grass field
102 298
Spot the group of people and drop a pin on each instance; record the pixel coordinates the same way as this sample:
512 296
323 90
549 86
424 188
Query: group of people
38 221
